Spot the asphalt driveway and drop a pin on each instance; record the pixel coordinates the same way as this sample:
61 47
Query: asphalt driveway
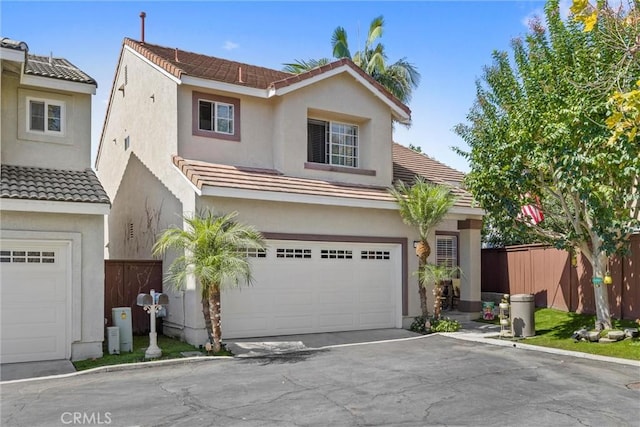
434 380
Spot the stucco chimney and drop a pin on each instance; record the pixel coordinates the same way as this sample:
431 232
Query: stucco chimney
142 16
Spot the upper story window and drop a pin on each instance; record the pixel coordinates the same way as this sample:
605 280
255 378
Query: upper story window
46 116
332 143
216 116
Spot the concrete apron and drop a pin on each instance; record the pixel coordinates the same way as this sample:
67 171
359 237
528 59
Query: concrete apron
18 371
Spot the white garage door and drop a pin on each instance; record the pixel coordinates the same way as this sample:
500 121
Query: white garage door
305 287
34 282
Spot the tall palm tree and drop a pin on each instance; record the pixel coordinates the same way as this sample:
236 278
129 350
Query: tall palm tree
400 78
212 248
423 205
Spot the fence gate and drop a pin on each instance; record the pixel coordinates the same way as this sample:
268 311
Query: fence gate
123 281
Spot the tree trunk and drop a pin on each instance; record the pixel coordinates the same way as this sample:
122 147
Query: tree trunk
207 318
214 311
422 251
437 305
603 316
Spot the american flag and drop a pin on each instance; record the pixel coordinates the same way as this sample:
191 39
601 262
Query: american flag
533 213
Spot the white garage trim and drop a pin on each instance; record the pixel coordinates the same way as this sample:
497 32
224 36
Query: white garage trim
74 268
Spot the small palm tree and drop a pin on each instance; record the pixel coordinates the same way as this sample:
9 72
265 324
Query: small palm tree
437 274
212 248
423 205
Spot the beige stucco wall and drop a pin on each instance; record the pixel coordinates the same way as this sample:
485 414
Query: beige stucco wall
342 99
256 122
274 131
145 111
71 150
142 208
90 310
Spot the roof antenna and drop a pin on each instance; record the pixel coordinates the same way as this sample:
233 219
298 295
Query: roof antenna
142 16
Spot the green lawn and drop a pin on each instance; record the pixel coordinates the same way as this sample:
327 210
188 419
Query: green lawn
171 349
554 329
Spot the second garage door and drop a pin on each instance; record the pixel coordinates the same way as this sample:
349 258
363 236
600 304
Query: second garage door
306 287
34 291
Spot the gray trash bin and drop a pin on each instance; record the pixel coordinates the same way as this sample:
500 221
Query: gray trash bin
522 315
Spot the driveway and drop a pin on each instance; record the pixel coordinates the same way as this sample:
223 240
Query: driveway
434 380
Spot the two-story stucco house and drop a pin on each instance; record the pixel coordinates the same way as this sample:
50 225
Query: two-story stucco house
307 159
53 209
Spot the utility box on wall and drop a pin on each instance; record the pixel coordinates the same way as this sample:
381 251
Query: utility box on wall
121 317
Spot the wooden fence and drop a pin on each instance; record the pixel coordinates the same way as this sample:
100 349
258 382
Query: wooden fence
548 274
123 281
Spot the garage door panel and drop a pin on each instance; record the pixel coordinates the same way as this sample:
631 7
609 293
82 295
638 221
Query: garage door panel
47 346
293 322
305 287
45 285
34 283
330 321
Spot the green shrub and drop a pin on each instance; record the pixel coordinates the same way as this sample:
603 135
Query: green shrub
442 325
445 325
418 325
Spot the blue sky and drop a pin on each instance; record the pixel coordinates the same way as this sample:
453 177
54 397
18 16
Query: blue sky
448 41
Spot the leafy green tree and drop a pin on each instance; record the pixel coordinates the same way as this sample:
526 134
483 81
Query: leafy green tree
212 248
422 205
538 137
617 22
400 77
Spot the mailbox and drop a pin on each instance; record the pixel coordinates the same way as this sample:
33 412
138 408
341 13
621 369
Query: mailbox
152 303
162 299
144 299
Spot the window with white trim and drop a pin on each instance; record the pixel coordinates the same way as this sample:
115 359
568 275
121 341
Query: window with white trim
45 116
215 116
332 143
447 250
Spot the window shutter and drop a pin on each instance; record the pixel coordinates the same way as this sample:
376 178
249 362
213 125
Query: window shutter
316 131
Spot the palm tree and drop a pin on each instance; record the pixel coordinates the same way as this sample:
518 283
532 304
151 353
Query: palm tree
211 248
437 275
423 205
400 78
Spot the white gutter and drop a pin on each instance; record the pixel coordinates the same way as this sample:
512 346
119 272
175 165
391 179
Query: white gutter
275 196
82 208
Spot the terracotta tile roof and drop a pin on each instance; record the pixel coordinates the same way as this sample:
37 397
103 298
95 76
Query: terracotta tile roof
407 164
206 67
28 183
178 62
209 174
57 68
